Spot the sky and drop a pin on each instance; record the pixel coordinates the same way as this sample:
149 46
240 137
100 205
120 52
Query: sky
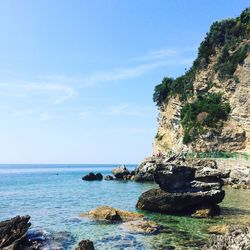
77 77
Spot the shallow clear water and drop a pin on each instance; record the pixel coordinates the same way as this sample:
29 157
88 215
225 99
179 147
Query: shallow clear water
55 195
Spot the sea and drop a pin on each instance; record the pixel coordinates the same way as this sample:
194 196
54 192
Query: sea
55 196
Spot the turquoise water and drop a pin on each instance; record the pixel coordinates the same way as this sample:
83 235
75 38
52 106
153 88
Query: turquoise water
54 196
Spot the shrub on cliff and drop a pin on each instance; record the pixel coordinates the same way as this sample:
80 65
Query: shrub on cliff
205 112
224 35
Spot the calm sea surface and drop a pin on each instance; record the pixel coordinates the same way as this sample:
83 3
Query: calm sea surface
55 195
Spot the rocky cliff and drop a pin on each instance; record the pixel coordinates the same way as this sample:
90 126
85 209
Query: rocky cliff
222 66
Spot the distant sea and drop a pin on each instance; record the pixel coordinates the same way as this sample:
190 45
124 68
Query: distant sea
55 195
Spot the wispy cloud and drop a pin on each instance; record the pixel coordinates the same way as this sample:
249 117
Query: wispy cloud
158 54
166 53
57 92
125 109
116 74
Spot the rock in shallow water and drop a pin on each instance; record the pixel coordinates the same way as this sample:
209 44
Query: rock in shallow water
120 172
184 188
13 232
111 214
85 245
158 200
92 177
109 178
141 227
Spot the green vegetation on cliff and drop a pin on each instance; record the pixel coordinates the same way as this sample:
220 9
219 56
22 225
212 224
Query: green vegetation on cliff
224 35
205 112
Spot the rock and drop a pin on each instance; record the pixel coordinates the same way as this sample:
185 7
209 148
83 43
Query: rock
111 214
13 232
109 178
235 238
141 227
120 172
185 188
158 200
52 240
173 177
85 245
145 171
127 241
206 211
218 229
92 177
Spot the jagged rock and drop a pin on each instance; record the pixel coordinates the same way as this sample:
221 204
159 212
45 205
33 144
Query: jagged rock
111 214
145 171
171 177
85 245
185 188
141 227
92 177
158 200
13 231
109 178
235 238
120 172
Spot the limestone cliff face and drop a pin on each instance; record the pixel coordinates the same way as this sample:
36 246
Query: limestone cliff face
234 135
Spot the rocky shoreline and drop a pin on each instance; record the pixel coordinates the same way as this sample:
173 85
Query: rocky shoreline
187 187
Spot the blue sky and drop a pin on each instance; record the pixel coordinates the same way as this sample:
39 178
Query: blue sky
77 77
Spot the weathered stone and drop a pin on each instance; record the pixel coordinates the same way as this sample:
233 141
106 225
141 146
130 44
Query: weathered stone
173 177
158 200
120 172
14 231
85 245
218 229
111 214
92 177
109 178
235 238
141 227
145 171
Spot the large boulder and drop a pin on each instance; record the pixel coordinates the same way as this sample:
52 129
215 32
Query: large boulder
111 214
92 177
174 177
158 200
145 171
185 187
13 234
120 172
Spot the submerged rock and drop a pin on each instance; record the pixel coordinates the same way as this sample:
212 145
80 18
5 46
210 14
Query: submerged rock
109 178
235 238
85 245
120 172
92 177
111 214
141 227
